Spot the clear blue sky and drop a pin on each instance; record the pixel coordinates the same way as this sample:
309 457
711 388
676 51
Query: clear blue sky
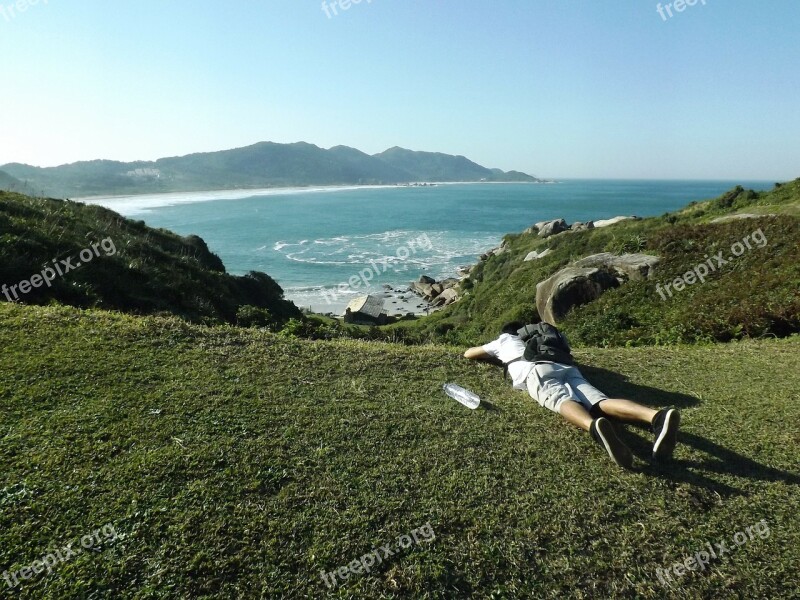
556 88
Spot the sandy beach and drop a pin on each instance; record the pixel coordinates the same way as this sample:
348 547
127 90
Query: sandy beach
399 301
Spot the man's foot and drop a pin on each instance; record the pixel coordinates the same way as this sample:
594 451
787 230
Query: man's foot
603 433
665 426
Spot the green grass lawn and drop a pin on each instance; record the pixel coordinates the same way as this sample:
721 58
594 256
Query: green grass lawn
239 464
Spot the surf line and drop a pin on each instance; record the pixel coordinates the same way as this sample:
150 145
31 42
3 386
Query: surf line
365 276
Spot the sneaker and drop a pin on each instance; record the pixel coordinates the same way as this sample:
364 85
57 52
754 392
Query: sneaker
603 433
665 428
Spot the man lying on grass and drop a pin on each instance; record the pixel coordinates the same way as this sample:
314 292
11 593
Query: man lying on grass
538 359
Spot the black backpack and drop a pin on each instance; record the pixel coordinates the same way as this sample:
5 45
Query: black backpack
544 342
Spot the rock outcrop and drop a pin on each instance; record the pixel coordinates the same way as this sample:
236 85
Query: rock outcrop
550 228
439 293
625 266
494 251
570 287
579 283
587 279
614 221
546 229
447 297
578 226
534 255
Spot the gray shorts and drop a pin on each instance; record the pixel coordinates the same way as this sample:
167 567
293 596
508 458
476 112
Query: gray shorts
552 384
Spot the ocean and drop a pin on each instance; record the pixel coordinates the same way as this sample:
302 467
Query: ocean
326 246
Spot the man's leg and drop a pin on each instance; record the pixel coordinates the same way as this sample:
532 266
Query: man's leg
546 386
601 430
664 423
626 410
576 414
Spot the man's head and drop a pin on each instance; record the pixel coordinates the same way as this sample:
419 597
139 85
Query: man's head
512 327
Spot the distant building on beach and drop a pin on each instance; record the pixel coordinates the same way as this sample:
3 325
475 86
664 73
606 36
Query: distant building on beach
155 173
366 310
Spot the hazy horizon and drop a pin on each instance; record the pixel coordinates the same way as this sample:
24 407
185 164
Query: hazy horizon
553 179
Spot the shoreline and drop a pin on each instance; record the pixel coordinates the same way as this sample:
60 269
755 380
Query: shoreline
398 301
274 191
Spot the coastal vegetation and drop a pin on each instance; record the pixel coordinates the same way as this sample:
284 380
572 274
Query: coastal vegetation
151 271
752 295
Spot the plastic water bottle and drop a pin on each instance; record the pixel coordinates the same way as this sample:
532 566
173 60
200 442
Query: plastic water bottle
467 398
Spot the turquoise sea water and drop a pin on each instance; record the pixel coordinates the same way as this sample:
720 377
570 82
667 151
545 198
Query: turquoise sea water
312 241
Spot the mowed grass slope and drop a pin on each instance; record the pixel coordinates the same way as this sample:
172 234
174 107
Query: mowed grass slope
239 464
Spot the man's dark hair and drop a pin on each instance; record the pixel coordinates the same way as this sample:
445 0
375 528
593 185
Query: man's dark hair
512 327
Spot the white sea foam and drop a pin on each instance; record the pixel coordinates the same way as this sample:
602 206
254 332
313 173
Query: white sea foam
362 250
316 261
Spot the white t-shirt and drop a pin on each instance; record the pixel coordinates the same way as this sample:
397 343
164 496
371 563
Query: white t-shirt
508 347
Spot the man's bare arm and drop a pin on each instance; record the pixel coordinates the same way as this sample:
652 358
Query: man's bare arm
477 353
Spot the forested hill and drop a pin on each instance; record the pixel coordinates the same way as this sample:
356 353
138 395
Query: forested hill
265 164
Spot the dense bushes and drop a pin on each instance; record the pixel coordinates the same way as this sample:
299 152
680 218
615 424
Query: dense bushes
150 271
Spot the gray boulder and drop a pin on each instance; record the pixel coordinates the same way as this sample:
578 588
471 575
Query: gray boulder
423 289
494 252
626 266
446 297
614 221
426 279
582 226
570 287
548 228
439 293
534 255
449 282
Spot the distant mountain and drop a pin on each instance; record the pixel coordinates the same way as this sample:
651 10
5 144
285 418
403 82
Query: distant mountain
265 164
435 166
9 183
12 184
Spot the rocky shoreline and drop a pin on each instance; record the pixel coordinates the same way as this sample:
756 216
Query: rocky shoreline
438 293
448 291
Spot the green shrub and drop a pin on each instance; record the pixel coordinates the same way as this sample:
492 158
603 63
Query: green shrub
153 270
253 316
626 244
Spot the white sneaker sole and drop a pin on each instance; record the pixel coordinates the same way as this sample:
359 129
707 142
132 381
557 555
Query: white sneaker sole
618 451
668 438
